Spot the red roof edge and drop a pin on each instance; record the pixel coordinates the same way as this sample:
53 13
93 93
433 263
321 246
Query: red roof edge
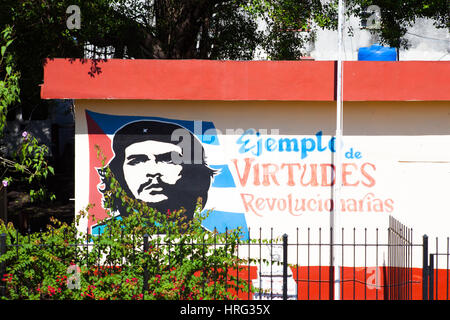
245 80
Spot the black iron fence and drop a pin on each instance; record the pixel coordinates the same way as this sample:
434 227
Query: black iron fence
436 272
400 255
371 266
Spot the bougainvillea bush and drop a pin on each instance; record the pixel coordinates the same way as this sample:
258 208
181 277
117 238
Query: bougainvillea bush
146 255
134 258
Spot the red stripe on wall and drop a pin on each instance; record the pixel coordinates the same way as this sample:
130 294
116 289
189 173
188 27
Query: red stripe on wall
189 80
245 80
366 283
397 81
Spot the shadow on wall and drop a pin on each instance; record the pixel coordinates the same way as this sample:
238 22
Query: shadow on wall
365 118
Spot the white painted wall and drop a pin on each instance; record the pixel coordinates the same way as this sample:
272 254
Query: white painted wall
407 142
426 42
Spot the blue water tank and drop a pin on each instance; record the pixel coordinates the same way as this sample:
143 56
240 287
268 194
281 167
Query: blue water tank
377 53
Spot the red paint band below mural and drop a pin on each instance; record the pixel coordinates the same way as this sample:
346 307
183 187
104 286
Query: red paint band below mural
358 283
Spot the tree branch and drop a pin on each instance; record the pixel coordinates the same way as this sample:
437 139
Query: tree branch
12 164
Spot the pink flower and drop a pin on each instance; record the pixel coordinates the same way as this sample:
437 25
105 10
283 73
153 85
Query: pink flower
25 135
5 183
7 277
51 290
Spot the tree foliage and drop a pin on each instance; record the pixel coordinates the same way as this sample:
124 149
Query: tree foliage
398 16
29 162
9 76
190 29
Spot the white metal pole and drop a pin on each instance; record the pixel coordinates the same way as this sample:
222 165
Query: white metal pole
337 158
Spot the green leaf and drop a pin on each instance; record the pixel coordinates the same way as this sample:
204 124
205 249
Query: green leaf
3 50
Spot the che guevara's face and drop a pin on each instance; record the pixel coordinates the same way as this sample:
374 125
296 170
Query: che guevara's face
149 170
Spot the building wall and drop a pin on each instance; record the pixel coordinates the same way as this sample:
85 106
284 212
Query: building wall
426 42
397 160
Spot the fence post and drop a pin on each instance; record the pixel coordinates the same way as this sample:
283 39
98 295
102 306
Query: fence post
425 269
285 265
3 205
431 277
331 269
146 247
3 264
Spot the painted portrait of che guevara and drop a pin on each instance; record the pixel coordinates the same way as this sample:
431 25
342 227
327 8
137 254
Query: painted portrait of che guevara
160 163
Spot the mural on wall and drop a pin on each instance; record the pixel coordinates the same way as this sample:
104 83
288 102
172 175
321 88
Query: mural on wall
144 166
245 177
255 179
142 154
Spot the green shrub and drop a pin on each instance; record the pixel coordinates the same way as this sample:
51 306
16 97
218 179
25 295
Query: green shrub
182 260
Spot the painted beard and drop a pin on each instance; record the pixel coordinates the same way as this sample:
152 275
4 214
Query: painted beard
170 197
